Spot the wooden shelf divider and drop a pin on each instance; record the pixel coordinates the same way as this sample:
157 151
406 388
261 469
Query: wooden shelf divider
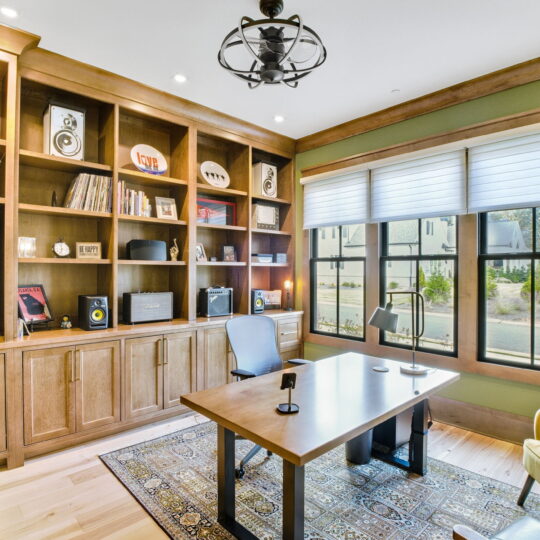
144 219
226 192
268 231
150 179
128 262
221 227
59 260
221 263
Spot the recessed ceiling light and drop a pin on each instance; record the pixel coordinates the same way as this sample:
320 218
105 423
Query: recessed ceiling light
395 90
8 12
279 118
179 78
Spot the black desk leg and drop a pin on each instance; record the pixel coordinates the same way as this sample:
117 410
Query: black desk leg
418 444
293 501
226 480
226 493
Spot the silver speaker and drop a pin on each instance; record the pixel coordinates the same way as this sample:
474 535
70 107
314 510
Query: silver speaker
64 132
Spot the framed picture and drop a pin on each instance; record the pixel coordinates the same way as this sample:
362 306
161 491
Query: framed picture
33 304
216 211
228 254
200 254
27 247
88 250
166 208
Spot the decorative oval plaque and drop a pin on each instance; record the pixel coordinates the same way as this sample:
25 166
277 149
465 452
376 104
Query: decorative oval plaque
214 174
147 159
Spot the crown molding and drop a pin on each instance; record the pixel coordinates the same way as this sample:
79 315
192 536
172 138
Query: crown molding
15 41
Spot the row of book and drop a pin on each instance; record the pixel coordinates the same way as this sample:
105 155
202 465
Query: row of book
90 192
133 202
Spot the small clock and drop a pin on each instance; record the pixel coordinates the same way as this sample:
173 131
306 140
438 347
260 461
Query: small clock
61 249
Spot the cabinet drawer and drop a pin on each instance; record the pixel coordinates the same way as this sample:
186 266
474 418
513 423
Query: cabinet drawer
289 333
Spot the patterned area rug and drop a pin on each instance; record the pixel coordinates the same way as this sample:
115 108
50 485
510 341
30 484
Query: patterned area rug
174 478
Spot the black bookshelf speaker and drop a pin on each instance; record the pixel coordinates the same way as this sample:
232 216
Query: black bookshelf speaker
93 312
257 301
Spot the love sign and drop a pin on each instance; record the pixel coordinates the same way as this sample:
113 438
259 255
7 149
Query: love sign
147 159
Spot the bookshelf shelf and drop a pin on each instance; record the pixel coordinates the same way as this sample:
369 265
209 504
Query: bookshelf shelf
226 192
221 263
151 263
271 199
275 233
221 227
46 161
158 221
150 179
270 265
61 211
54 260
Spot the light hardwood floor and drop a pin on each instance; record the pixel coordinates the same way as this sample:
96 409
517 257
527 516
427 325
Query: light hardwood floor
71 494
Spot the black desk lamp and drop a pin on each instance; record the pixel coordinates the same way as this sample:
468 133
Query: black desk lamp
385 320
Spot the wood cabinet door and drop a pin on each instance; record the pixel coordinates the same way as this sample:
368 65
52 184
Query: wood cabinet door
3 441
144 376
97 376
179 367
49 404
213 355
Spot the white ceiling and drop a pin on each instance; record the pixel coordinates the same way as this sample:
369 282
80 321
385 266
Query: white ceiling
374 47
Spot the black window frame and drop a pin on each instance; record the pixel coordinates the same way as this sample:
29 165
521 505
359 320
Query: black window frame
417 259
314 259
533 256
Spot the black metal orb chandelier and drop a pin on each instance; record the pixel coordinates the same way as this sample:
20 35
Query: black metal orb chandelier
272 51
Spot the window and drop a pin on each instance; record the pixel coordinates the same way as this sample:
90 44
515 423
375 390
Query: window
421 255
337 268
509 273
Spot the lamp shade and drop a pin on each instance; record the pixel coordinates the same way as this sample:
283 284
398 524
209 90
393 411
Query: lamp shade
384 319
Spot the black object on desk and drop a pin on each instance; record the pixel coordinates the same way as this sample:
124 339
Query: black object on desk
288 381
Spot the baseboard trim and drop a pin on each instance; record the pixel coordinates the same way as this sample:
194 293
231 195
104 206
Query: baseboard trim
499 424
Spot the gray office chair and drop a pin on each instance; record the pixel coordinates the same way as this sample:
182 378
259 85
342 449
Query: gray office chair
254 344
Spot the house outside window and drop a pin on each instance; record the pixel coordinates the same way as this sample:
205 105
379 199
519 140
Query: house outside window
337 270
509 275
421 255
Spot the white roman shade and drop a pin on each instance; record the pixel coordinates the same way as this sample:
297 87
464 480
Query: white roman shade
342 199
505 174
428 186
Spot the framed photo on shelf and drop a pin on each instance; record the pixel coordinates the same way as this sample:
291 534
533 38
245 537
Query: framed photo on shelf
33 304
166 208
200 254
216 211
228 254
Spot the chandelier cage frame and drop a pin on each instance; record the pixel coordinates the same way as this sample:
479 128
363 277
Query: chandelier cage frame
289 69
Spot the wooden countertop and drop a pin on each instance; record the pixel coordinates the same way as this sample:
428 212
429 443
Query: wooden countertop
339 397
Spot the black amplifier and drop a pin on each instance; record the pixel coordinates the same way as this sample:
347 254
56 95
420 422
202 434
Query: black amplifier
147 307
215 302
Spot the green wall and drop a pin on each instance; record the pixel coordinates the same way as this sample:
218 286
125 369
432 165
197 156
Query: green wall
517 398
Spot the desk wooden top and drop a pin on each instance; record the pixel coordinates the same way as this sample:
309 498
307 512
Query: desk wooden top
339 398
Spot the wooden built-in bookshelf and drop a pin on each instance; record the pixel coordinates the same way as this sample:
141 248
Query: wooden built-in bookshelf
113 125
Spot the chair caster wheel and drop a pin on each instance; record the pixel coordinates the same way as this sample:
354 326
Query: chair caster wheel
239 473
268 453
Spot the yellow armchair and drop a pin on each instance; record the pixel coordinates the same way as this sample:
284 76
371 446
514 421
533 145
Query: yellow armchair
531 460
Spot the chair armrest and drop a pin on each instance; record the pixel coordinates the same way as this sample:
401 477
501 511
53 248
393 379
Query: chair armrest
462 532
298 361
537 425
243 374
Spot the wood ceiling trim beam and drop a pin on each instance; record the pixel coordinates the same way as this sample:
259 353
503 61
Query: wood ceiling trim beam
461 134
491 83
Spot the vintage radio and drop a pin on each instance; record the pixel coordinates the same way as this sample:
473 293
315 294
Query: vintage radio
147 250
215 302
93 312
265 216
147 307
264 180
63 131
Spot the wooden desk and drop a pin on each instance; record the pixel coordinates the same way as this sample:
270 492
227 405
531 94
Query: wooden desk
340 398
